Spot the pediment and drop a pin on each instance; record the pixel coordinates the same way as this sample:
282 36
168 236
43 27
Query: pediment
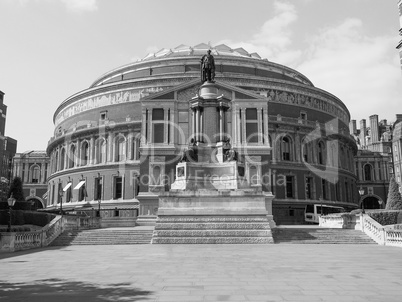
189 90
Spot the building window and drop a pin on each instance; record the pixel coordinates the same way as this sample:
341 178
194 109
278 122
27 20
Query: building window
306 151
98 188
103 115
347 191
59 192
62 159
321 150
100 151
303 115
35 175
158 125
53 192
84 153
56 162
135 148
72 157
156 175
367 172
120 149
82 193
309 187
69 193
286 146
289 186
118 187
324 188
251 125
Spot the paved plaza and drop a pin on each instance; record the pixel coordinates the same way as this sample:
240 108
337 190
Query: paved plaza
281 272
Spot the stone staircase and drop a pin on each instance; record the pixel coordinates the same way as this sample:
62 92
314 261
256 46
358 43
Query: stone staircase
317 235
107 236
212 229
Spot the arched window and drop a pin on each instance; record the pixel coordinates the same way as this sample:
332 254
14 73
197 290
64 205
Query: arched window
286 148
62 159
306 151
84 153
120 149
101 151
368 172
321 154
35 174
56 161
71 157
135 147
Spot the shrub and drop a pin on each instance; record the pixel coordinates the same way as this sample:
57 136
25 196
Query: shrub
394 200
385 217
23 217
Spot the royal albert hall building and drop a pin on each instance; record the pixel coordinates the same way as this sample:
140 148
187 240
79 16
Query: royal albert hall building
117 143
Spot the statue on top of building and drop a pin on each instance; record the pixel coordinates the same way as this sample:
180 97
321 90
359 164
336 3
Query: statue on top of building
207 67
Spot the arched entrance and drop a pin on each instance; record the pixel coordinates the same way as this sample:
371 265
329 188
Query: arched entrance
36 203
371 202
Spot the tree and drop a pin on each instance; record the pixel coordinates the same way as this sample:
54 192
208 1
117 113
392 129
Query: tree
394 199
18 194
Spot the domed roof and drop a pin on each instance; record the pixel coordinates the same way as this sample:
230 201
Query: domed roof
200 49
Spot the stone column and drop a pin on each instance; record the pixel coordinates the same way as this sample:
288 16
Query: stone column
259 127
144 125
243 126
165 128
197 123
265 117
359 170
91 159
78 153
172 127
42 172
221 130
149 135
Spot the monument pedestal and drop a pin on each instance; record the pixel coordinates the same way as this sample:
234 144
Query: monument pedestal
213 216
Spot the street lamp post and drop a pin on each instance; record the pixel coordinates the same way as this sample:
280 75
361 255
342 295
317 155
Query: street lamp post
99 204
11 202
361 193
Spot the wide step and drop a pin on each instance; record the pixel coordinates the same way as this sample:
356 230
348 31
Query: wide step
212 230
319 236
104 237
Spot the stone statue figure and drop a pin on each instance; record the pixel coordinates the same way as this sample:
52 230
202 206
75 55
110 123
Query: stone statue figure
191 153
208 67
229 153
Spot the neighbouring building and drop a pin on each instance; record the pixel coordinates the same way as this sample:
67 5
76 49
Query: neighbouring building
8 148
397 149
33 168
399 46
116 144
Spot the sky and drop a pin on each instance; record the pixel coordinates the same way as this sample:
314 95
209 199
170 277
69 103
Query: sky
52 49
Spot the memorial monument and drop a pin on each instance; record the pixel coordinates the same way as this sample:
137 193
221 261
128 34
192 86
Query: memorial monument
211 201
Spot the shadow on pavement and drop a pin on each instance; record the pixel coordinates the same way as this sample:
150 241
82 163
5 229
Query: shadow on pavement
51 290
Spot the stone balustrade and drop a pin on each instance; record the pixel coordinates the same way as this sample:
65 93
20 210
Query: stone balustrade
18 241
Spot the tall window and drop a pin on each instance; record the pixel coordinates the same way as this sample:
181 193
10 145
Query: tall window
321 149
35 174
98 188
62 159
251 125
347 191
135 148
285 148
367 172
71 157
305 151
69 193
309 187
156 175
118 187
59 192
289 187
158 125
82 193
56 162
101 151
120 149
324 189
84 153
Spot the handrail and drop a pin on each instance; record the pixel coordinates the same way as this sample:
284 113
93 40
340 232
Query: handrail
17 241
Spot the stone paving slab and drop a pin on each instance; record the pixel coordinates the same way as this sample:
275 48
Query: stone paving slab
203 273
